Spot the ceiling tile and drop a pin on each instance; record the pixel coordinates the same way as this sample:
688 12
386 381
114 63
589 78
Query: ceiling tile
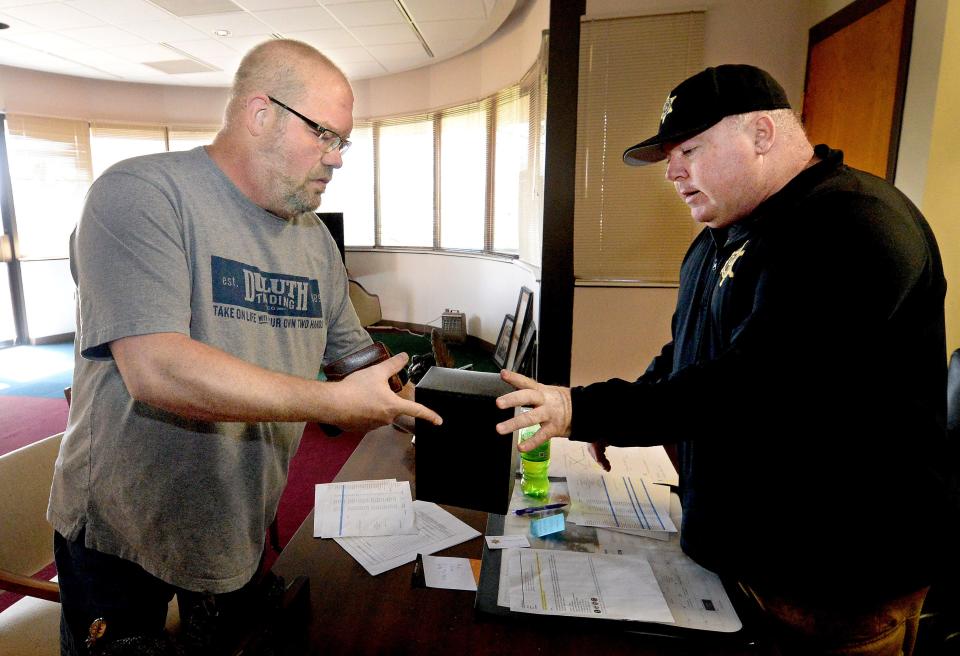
118 12
96 37
378 35
184 8
53 16
239 23
437 10
180 66
288 20
241 44
204 48
139 54
358 14
259 5
19 3
52 42
342 56
17 25
325 39
169 29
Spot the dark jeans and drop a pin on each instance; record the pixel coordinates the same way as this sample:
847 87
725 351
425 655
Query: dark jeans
133 605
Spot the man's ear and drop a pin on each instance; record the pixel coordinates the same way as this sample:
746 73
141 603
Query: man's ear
764 134
256 115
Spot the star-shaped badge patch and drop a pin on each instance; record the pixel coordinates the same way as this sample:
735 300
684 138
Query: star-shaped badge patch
667 108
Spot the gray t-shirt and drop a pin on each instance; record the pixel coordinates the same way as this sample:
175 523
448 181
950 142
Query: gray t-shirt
167 243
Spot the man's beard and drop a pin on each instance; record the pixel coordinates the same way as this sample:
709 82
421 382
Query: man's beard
295 199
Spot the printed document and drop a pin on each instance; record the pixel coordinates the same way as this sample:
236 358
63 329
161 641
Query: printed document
625 503
363 508
436 529
552 582
649 462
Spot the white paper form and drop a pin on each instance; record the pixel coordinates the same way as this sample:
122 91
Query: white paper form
624 503
550 582
436 529
696 596
449 573
649 462
363 508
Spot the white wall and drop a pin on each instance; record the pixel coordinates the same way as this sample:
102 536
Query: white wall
418 287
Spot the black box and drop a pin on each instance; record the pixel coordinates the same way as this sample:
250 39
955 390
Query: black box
465 462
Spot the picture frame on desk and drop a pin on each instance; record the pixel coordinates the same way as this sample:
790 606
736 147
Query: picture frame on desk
503 341
521 318
525 350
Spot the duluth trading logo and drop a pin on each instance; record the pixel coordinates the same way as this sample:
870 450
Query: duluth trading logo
244 292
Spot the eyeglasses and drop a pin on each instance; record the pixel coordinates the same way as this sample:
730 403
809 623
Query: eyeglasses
327 137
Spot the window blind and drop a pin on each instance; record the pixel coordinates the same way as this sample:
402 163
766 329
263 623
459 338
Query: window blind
405 180
113 142
464 153
50 171
629 224
189 138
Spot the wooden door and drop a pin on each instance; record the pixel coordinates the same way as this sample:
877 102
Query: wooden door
856 82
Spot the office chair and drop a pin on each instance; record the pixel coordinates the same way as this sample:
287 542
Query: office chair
366 304
31 625
940 622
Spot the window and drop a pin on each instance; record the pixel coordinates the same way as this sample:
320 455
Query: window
468 177
406 183
628 223
189 138
352 192
112 143
50 171
463 177
511 167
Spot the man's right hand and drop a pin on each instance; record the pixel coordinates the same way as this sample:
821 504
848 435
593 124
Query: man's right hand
365 400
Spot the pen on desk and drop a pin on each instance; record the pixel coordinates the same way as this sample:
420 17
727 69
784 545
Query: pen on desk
527 511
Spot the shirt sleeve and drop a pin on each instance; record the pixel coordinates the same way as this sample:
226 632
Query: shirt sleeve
132 268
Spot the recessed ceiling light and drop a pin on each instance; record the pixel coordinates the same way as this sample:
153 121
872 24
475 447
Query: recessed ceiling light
222 32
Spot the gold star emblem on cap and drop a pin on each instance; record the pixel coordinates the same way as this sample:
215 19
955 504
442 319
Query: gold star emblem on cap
727 270
667 108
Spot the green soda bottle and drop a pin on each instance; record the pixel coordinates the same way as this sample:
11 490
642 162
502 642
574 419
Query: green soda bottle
536 463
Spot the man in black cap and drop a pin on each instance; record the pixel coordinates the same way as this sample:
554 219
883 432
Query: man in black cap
804 385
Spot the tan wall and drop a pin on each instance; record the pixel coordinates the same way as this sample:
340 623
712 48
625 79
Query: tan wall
65 96
943 170
618 331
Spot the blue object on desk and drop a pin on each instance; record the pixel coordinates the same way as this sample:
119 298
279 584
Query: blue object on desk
536 509
547 525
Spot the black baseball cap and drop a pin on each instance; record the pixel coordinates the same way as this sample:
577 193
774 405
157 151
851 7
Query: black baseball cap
700 101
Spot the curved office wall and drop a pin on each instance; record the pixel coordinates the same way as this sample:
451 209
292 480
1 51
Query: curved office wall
484 289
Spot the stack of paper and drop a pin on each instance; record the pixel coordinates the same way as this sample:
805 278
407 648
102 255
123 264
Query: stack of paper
363 508
624 503
649 462
549 582
436 529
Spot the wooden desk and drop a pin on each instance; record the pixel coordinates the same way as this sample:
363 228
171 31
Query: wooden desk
355 613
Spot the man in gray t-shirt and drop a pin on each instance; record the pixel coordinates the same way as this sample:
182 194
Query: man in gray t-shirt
209 298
